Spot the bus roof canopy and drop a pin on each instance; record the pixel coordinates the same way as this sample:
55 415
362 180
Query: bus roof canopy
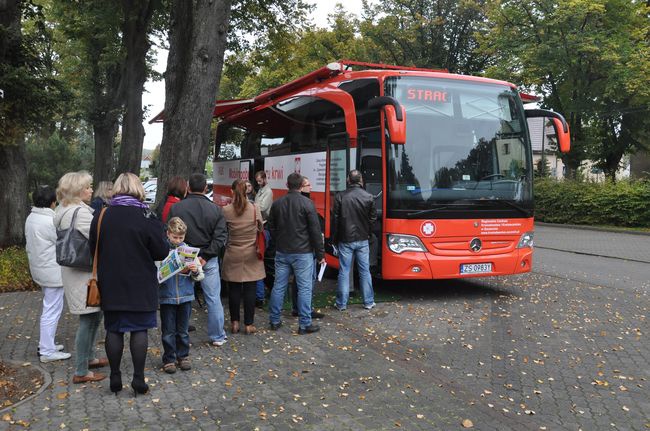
253 114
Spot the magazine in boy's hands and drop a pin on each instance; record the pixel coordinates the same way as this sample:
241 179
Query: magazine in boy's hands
176 261
170 266
188 255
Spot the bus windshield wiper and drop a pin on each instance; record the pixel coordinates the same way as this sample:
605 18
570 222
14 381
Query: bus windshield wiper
521 209
429 210
441 207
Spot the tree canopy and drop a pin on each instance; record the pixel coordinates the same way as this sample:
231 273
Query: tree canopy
588 59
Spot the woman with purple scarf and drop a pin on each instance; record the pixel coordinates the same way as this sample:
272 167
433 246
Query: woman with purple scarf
130 241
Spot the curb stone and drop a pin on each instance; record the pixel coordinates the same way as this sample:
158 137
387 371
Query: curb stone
595 228
47 381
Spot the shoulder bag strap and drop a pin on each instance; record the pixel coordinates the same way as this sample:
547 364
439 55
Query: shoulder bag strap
74 217
96 257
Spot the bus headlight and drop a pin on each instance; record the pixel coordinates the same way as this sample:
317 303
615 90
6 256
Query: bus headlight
526 240
401 243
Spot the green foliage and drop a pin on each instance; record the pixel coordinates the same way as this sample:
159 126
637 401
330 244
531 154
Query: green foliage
24 78
254 22
543 168
622 204
289 55
14 270
589 60
48 159
430 34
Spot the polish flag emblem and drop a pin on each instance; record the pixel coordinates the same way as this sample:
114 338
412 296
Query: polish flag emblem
428 228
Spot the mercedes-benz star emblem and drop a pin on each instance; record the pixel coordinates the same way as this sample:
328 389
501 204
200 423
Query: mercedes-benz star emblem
475 245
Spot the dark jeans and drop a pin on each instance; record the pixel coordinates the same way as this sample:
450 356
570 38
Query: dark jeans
234 300
174 323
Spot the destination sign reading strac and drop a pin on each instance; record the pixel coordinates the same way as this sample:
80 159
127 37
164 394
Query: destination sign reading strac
427 95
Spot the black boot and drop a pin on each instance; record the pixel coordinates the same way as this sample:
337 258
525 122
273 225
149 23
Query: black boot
116 382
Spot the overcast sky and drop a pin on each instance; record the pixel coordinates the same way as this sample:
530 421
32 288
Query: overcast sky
154 97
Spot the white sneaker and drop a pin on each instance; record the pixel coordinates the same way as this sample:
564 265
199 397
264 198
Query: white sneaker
219 343
56 356
369 306
57 347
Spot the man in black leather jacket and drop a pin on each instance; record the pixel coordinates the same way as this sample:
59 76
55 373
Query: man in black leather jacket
354 215
206 229
295 229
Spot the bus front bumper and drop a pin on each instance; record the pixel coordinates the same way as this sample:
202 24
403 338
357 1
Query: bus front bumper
424 265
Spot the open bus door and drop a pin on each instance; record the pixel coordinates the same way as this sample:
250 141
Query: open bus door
337 164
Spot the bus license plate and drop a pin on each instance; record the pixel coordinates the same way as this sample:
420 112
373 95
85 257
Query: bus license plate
475 268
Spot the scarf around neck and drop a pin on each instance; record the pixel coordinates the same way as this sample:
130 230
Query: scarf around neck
127 201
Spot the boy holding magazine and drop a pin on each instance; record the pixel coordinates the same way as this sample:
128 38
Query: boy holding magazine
176 295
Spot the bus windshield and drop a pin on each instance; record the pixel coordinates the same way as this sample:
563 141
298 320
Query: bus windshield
466 146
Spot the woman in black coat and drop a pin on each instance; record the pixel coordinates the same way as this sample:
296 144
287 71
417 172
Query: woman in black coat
130 240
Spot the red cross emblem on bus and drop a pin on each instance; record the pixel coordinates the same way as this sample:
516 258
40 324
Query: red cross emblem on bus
428 228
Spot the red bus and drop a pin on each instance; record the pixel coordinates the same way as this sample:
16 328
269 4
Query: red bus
448 158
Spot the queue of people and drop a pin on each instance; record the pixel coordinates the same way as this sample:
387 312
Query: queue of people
127 234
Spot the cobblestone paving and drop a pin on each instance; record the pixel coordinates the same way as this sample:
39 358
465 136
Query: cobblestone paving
528 352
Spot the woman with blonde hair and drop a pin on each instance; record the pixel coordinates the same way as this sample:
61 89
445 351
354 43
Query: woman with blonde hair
129 237
103 194
74 193
241 268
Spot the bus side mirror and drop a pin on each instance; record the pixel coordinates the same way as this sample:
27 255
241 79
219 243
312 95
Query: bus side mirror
559 125
395 117
563 135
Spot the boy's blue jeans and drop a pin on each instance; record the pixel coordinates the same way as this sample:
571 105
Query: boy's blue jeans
174 324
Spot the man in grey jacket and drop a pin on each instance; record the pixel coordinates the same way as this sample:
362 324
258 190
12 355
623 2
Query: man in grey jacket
264 196
206 229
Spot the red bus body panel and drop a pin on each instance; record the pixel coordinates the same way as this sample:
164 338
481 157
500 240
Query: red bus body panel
448 248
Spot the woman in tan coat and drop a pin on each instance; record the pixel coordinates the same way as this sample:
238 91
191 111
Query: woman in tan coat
241 268
74 193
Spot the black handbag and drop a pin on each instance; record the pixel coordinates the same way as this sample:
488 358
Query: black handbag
72 247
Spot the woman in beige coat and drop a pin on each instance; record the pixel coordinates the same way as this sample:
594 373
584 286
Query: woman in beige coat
74 192
241 268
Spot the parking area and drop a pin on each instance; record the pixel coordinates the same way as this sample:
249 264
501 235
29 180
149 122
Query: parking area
527 352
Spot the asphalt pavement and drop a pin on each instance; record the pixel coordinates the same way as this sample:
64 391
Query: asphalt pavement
562 348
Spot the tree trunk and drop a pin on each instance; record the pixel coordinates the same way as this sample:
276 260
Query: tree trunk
13 166
106 106
104 141
13 199
197 44
137 18
574 158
